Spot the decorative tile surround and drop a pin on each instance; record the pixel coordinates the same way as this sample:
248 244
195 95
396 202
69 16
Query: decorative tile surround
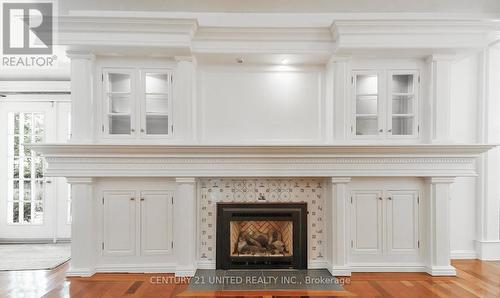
310 190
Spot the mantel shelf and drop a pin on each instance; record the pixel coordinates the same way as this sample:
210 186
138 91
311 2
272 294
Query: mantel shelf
92 160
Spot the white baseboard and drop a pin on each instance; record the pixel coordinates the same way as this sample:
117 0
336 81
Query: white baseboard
463 254
80 272
137 268
340 271
206 264
442 271
317 265
488 250
388 268
185 271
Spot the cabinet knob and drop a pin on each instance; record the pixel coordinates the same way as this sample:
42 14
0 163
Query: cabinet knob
389 198
142 130
380 198
132 199
389 130
132 130
142 199
380 130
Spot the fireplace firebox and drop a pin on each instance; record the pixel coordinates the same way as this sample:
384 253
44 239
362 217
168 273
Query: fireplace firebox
261 235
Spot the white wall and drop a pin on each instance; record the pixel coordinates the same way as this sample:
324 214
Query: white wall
241 105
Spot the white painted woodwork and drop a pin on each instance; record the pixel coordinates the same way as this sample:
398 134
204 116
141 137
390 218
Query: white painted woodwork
402 220
84 243
156 222
366 222
119 223
82 99
337 226
440 96
185 217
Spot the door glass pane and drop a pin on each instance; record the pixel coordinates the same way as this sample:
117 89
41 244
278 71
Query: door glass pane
24 168
119 82
402 83
366 126
119 124
402 125
156 104
120 104
366 104
157 83
156 124
402 104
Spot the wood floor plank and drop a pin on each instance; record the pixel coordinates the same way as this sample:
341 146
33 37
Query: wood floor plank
474 279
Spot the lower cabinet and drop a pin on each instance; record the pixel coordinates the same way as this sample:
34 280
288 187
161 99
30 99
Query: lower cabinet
385 225
137 222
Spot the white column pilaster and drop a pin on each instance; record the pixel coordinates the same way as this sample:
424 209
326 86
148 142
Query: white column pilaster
339 229
83 228
82 116
440 97
185 226
439 240
341 108
185 99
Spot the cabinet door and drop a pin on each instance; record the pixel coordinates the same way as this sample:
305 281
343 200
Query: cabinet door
366 222
156 106
402 222
156 222
366 105
119 222
402 104
119 103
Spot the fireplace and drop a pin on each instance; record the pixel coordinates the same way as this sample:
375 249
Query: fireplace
261 235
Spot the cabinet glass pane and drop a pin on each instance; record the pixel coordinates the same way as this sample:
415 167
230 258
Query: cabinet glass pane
119 104
366 84
156 104
157 124
402 104
156 83
119 124
366 104
402 125
366 126
402 83
119 82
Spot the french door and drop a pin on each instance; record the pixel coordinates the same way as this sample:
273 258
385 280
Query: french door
31 205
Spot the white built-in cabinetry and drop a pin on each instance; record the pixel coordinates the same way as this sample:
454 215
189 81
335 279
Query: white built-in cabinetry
384 104
136 103
137 222
385 223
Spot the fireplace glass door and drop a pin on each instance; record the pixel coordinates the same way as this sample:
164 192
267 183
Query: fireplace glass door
262 238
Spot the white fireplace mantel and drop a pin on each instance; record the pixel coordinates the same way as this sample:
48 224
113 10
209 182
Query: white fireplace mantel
423 160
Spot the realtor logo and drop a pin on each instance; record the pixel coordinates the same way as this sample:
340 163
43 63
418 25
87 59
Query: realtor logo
27 28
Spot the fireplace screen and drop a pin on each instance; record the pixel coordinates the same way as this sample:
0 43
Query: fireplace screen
261 238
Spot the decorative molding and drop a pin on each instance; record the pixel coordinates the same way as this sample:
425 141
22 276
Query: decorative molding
441 180
341 180
185 180
79 180
488 250
86 55
463 254
441 270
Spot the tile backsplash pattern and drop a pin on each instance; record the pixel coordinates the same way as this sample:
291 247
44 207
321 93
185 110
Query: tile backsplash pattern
308 190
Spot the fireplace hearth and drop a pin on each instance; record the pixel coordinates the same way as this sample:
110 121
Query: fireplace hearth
261 235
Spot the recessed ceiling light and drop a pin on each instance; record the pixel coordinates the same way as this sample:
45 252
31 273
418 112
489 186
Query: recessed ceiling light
285 61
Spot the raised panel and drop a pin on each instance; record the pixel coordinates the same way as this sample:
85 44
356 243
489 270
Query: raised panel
119 223
156 222
366 216
402 222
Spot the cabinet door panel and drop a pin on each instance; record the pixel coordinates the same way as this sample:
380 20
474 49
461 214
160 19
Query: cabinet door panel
402 222
366 216
156 222
119 223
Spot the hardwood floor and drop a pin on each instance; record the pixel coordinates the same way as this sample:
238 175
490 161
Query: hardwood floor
475 279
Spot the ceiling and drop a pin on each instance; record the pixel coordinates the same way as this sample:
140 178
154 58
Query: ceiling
289 6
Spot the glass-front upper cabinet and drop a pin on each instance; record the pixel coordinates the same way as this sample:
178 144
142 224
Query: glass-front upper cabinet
137 103
384 104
